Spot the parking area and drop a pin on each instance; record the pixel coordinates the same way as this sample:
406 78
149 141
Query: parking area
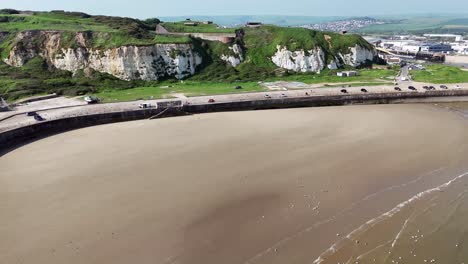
57 102
283 92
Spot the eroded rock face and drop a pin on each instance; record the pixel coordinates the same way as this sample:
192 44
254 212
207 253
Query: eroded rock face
299 61
314 60
236 58
357 56
127 62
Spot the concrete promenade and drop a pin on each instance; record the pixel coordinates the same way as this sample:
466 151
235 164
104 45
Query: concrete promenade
72 113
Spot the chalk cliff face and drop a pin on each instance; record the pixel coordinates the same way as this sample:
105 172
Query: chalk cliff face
236 57
74 51
299 61
126 62
314 60
357 56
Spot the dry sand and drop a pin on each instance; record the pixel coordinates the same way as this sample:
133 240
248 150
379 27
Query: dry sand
276 186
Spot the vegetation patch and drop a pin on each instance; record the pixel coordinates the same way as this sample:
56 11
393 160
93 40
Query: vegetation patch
200 27
440 74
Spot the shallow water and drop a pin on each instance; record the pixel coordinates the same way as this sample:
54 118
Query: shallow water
430 227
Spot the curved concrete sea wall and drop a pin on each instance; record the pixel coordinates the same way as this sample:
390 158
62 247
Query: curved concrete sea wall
22 135
316 101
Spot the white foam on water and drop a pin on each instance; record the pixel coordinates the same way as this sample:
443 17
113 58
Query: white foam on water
372 222
342 212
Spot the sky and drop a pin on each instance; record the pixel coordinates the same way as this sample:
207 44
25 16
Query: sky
155 8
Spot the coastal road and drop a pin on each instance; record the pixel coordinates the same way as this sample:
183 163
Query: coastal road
404 75
51 110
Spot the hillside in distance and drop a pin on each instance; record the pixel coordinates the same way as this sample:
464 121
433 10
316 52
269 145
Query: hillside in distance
278 20
75 53
420 24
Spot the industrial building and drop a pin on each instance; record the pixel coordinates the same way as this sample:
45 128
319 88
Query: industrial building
436 47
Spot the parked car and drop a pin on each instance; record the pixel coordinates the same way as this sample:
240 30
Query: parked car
91 99
397 89
284 95
432 88
267 96
31 114
364 90
457 86
38 118
211 100
307 93
425 87
443 87
412 88
145 105
344 91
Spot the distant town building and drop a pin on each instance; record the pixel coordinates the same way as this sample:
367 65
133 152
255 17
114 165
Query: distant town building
457 38
411 48
345 25
253 24
460 48
207 22
347 73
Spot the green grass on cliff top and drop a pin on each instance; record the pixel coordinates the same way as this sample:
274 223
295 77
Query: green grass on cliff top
51 21
200 28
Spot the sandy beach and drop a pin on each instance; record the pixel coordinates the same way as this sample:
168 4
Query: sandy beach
273 186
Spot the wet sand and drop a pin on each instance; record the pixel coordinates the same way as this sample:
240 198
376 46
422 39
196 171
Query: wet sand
276 186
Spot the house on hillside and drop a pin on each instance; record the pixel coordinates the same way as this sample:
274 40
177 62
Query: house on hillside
347 73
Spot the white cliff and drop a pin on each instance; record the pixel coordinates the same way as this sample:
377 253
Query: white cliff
357 56
127 62
299 61
314 60
152 62
236 57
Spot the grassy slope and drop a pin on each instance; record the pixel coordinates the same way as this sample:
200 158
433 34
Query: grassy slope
195 88
200 28
440 74
420 24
